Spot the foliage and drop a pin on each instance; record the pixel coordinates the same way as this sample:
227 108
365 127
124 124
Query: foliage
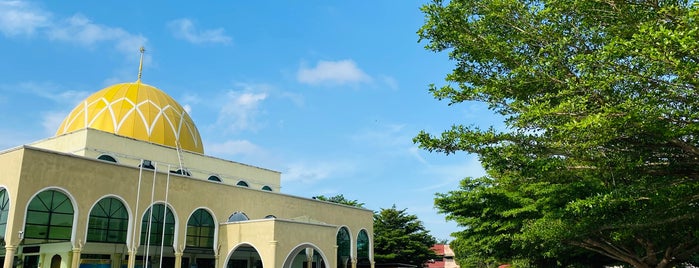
601 152
340 199
401 238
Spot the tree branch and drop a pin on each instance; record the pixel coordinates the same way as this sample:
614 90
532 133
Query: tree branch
607 250
685 146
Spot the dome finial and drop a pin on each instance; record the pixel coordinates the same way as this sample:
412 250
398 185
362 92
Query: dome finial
140 65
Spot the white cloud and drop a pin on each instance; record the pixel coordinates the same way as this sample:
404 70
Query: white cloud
333 72
185 29
295 98
52 120
191 98
241 150
309 173
234 147
48 91
21 18
80 30
187 100
386 139
415 152
389 81
240 110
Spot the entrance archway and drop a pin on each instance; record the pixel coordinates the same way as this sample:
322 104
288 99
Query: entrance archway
244 256
306 256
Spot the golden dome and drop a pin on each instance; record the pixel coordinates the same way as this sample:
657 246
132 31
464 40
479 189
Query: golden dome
138 111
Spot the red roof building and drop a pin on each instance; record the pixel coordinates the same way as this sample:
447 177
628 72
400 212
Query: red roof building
445 257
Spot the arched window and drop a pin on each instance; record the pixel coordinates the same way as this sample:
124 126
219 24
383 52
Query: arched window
157 218
109 222
49 218
238 216
343 247
147 164
270 217
363 247
267 188
56 261
4 209
107 158
242 183
200 229
214 178
183 172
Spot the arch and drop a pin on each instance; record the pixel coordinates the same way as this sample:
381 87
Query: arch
200 229
300 254
108 158
146 164
182 172
4 212
242 183
158 216
214 178
50 217
363 246
108 222
244 255
56 261
238 216
267 188
270 216
344 247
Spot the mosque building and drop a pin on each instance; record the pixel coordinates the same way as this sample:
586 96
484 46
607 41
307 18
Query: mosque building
125 183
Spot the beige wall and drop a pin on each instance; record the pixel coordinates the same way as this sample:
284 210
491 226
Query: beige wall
263 233
10 170
92 143
87 180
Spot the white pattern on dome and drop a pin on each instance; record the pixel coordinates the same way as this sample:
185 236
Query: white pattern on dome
134 107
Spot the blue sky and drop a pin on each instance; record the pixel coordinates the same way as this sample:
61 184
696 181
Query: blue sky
330 93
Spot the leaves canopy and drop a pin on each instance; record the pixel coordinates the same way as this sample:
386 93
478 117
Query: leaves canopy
601 151
401 238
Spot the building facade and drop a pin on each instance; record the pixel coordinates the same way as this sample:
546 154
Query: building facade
125 182
445 257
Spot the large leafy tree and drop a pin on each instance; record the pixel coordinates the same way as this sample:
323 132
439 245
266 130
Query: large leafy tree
400 237
601 149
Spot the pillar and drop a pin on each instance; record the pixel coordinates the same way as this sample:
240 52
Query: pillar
76 258
178 259
217 255
271 260
354 262
10 251
116 260
309 257
132 258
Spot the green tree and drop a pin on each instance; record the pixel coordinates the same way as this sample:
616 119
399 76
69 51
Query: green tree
494 216
340 199
401 238
601 151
